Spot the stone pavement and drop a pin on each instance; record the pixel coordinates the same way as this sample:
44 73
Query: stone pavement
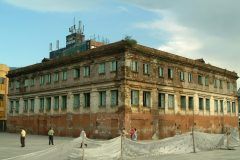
10 144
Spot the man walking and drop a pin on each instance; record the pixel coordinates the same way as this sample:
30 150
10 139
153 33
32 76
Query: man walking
22 137
50 136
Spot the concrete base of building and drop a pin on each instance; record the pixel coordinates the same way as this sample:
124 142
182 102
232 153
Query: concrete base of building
109 125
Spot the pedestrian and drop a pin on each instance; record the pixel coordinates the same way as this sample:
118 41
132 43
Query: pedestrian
131 133
50 136
22 137
135 136
124 132
83 136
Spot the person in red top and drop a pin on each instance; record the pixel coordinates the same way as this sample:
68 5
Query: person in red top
131 133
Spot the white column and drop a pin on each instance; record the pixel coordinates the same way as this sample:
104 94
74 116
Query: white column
212 106
108 99
21 105
94 100
52 105
36 105
176 102
166 103
196 104
70 102
140 98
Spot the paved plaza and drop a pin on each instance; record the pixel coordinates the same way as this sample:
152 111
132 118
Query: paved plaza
10 144
10 149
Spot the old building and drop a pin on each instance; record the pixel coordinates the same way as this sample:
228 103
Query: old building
118 85
3 96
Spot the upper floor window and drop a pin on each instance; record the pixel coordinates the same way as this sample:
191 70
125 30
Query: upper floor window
181 76
11 84
2 80
32 82
17 84
200 79
220 84
160 71
26 83
206 81
41 79
134 66
56 76
76 72
190 77
215 83
86 71
64 75
101 68
170 73
228 85
146 68
48 78
113 66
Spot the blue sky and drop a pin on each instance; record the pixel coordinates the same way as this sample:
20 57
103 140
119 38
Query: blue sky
194 29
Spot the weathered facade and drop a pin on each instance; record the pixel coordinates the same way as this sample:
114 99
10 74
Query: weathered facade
3 96
122 85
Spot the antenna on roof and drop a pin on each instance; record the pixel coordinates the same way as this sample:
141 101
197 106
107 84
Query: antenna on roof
57 44
50 47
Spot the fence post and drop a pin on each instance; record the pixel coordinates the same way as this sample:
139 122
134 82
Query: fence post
121 156
83 147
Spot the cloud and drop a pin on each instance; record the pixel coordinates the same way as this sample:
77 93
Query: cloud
203 28
178 38
56 5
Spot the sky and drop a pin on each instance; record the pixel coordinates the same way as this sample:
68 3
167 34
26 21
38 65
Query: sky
194 29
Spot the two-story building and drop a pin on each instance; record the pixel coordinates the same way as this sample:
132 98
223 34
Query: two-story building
122 85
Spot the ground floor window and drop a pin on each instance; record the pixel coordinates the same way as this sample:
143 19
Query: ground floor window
41 109
146 99
183 102
161 100
114 97
190 103
228 106
134 97
233 107
215 105
56 103
200 103
207 104
221 105
32 105
64 102
86 99
76 101
48 107
102 98
170 101
25 109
